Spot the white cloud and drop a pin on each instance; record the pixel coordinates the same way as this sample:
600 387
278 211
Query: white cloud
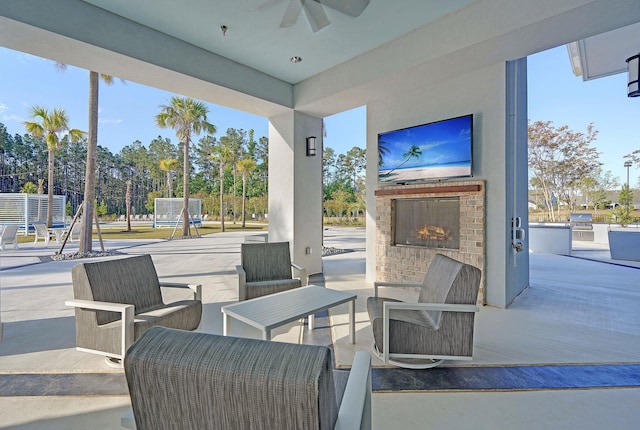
12 118
110 121
4 114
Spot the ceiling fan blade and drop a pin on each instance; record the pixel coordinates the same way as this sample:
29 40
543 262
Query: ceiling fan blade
291 13
350 7
316 15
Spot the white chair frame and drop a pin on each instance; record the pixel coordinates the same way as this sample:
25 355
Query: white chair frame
390 358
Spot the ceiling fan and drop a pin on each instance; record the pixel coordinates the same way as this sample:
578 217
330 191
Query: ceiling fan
315 13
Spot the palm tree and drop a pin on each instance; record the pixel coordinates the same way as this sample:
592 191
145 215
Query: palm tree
224 155
245 167
169 165
383 150
86 234
52 126
186 116
29 188
413 152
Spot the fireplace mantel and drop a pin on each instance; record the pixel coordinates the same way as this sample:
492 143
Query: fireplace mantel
410 263
429 190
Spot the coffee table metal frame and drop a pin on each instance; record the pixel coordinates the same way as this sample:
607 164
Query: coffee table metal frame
275 310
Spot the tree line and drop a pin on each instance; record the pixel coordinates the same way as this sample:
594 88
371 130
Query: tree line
230 174
151 168
344 182
239 158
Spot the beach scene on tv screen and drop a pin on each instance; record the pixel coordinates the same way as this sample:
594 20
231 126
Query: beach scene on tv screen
430 151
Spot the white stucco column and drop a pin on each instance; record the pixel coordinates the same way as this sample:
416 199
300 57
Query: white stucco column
295 187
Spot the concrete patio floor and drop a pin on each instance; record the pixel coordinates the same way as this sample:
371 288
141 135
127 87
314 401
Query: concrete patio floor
579 310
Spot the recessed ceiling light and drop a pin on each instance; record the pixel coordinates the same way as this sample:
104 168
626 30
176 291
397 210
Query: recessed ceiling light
296 59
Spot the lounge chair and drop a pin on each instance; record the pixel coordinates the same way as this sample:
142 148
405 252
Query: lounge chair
117 300
266 268
438 327
9 234
42 232
183 380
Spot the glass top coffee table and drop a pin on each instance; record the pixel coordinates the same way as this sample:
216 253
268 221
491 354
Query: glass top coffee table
268 312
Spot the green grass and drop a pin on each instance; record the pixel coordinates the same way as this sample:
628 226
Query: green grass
147 232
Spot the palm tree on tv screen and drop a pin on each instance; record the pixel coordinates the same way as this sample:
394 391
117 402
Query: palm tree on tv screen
413 152
383 149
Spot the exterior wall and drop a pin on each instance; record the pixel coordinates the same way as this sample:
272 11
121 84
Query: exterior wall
484 94
410 263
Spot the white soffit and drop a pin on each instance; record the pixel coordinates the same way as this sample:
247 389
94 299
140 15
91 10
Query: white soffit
605 54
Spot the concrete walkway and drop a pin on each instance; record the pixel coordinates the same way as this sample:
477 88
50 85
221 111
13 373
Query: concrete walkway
576 311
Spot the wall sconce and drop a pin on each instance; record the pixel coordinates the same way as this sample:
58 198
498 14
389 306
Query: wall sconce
633 67
311 146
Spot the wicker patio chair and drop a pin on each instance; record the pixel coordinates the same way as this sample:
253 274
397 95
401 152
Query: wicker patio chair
117 300
266 268
438 327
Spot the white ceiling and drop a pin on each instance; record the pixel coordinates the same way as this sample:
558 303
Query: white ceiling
254 37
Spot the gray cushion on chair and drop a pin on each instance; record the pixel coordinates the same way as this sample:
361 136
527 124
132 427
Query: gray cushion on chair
437 284
267 268
266 261
375 306
263 288
130 280
186 380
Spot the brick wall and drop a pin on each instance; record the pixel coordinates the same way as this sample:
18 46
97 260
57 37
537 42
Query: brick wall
410 263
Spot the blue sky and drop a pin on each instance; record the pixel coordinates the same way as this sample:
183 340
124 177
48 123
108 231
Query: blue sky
127 109
555 94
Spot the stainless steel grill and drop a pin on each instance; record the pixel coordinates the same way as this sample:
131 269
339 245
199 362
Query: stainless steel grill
581 227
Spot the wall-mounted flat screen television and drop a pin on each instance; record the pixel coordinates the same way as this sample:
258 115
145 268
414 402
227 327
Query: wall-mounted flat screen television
433 151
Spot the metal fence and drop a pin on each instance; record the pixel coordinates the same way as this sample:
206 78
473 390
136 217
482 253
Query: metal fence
24 209
544 217
166 212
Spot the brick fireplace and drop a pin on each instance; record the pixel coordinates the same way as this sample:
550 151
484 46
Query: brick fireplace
414 222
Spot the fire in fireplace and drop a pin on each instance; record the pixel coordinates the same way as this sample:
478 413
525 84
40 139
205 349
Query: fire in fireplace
432 232
427 222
